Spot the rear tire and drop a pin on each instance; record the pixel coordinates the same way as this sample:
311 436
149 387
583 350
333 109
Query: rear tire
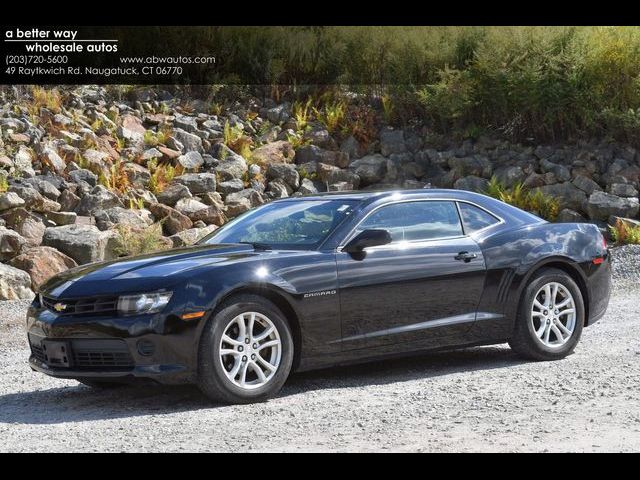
550 317
245 364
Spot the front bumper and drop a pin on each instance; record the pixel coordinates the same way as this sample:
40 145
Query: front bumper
158 347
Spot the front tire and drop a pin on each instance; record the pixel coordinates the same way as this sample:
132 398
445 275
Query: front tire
246 351
550 317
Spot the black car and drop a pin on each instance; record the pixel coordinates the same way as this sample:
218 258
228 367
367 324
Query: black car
309 282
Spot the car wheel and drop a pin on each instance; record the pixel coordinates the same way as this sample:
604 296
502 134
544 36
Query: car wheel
550 317
246 351
101 384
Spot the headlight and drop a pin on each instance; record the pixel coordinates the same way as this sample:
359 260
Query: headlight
143 303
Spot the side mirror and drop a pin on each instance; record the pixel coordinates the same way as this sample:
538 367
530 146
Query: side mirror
367 238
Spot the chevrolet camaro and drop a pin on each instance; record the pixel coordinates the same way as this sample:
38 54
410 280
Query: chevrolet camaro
309 282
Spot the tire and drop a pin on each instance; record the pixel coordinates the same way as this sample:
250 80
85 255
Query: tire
215 369
525 341
100 384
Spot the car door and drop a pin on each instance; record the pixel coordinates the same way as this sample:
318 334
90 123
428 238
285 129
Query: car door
423 286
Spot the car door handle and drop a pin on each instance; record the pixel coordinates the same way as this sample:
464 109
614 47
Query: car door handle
465 256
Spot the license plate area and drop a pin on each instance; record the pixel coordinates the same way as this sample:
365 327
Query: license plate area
57 354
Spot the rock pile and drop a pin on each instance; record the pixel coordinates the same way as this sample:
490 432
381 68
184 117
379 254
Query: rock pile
73 173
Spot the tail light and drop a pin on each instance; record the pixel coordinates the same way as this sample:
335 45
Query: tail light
600 257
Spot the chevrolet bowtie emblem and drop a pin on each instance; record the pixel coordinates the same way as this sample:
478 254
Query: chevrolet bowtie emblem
59 307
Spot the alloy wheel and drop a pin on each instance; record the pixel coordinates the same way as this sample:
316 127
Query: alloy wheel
553 315
250 350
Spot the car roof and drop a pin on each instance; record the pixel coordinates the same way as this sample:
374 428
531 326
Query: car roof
371 195
502 210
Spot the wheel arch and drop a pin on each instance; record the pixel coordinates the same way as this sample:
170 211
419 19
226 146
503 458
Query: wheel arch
566 265
279 299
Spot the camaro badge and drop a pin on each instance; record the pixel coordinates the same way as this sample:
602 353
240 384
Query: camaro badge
319 294
59 307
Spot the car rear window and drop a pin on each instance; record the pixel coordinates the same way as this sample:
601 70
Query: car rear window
413 221
475 218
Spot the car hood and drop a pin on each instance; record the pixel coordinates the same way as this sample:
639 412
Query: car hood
143 273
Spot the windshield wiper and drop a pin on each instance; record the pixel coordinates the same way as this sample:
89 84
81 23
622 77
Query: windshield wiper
257 245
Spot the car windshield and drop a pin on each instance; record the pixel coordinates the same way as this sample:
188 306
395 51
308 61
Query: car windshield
303 224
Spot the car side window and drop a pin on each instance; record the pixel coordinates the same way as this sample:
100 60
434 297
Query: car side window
413 221
475 218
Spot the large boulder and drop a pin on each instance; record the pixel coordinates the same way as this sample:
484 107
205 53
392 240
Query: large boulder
131 129
62 218
28 225
471 184
622 190
567 194
100 198
10 200
68 201
83 175
42 263
392 141
109 218
287 173
601 205
230 186
567 215
197 182
11 244
275 152
83 243
561 172
313 153
190 236
191 160
15 284
97 160
370 169
310 187
587 185
510 175
476 165
255 198
240 202
23 161
330 174
172 193
137 174
189 206
213 214
186 122
32 198
51 159
233 166
172 220
189 141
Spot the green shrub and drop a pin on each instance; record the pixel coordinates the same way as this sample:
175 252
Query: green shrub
236 140
302 113
138 241
332 114
519 196
4 183
624 233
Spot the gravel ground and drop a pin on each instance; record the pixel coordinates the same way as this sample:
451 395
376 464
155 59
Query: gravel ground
478 399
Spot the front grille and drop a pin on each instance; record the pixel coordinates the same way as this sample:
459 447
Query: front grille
101 353
82 306
86 353
38 352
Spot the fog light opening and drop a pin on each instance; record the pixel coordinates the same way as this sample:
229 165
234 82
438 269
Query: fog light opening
146 348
